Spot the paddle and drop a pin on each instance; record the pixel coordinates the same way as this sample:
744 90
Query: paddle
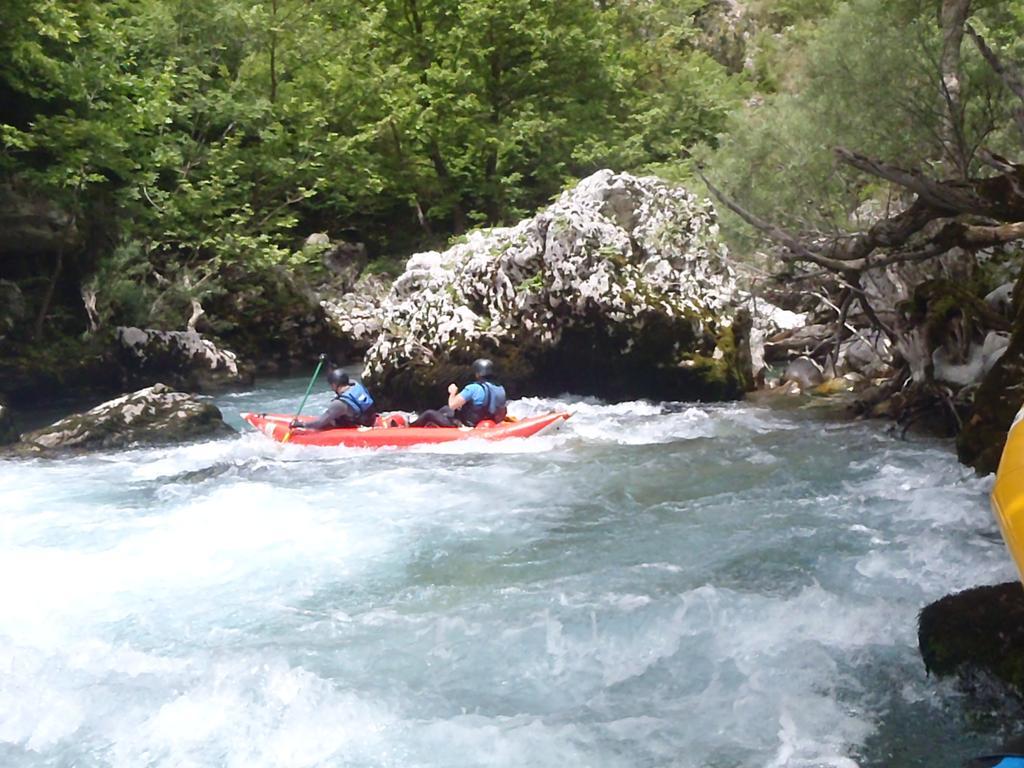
305 397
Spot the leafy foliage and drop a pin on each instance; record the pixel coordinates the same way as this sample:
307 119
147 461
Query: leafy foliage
204 138
864 76
184 141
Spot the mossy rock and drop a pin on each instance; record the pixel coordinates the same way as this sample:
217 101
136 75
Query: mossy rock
938 303
980 630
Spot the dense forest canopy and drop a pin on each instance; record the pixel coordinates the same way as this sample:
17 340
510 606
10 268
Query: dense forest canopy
155 148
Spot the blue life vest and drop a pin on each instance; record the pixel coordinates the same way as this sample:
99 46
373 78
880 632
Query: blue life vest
358 398
494 400
485 402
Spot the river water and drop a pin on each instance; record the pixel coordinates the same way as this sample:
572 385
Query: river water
656 585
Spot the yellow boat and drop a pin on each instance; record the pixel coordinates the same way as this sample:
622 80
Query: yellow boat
1008 493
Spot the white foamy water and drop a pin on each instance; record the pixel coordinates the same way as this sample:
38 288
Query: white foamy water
656 585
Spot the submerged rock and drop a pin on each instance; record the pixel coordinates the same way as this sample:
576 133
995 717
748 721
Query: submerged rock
152 416
978 636
184 357
620 289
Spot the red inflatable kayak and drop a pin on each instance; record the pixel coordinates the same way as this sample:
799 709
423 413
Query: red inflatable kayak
275 425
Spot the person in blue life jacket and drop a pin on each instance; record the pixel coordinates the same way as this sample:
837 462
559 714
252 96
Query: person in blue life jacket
352 405
481 399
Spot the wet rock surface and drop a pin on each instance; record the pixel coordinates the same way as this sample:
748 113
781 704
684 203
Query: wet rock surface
978 636
152 416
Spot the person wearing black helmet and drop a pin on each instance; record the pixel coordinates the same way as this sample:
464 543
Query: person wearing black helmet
352 405
478 400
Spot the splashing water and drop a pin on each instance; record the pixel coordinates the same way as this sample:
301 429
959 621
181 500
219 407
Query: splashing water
653 586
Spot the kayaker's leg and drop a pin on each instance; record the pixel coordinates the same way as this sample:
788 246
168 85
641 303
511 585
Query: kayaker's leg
441 417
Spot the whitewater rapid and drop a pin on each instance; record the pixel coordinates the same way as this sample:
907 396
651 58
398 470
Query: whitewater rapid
656 585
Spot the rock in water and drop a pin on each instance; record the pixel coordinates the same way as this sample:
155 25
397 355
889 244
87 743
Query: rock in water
977 635
620 289
151 416
183 357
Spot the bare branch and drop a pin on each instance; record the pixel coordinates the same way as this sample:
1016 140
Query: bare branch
998 162
1007 73
983 237
798 251
931 192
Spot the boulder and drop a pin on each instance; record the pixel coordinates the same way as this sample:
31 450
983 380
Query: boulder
870 354
996 402
769 321
34 225
620 289
317 240
806 373
345 262
975 364
800 339
152 416
184 357
977 636
356 316
1000 300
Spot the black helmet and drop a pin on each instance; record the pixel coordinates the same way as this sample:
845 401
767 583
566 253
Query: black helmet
338 378
483 368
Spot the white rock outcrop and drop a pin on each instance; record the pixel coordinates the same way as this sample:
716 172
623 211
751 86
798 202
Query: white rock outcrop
615 257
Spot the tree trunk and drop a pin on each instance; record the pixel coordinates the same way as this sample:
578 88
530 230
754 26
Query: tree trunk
953 17
492 192
273 52
44 308
441 169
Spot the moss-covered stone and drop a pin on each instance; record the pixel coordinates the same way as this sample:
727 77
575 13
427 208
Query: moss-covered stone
980 630
939 305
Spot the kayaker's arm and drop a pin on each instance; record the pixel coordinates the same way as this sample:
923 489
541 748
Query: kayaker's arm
455 400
